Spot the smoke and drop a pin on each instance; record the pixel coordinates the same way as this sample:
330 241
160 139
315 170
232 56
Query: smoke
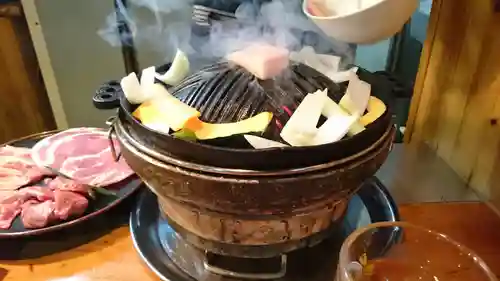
158 25
165 25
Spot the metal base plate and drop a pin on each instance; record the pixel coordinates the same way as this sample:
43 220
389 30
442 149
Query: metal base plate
174 260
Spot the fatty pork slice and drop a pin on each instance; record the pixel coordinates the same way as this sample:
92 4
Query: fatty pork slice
16 176
17 168
11 179
83 154
9 150
262 60
53 150
95 169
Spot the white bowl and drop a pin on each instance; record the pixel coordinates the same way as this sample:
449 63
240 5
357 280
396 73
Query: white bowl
367 25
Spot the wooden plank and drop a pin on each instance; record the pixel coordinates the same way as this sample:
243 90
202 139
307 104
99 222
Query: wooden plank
45 63
23 99
474 20
480 105
419 102
451 39
486 172
485 177
439 72
458 93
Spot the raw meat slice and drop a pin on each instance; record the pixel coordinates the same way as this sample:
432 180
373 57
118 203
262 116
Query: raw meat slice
60 183
40 193
40 205
11 202
53 150
95 169
83 154
4 194
9 150
21 160
37 215
10 207
69 204
17 168
8 212
11 179
262 60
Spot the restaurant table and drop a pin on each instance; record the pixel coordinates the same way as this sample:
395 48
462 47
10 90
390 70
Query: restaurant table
112 257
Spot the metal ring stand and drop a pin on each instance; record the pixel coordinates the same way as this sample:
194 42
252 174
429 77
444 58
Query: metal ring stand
253 276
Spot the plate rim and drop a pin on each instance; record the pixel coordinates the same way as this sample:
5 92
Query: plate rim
67 224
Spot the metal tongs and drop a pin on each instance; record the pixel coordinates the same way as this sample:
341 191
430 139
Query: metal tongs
91 188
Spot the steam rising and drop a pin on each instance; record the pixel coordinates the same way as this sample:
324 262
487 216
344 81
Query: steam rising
164 25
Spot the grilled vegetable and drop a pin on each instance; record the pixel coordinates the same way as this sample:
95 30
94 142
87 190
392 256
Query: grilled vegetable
185 134
257 123
138 93
331 108
178 70
147 77
334 129
260 143
357 96
301 127
132 89
168 110
375 109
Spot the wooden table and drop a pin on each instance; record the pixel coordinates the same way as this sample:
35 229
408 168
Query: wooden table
113 258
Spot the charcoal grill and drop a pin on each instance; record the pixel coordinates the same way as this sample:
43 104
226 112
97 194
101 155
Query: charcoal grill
248 208
241 208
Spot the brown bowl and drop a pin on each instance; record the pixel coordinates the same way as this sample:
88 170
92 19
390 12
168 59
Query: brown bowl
254 195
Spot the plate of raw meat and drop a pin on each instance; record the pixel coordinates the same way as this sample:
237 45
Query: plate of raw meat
57 179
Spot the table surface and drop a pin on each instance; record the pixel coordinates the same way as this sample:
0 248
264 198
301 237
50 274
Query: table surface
112 257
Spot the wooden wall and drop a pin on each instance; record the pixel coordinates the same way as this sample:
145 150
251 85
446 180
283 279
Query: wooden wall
456 104
24 105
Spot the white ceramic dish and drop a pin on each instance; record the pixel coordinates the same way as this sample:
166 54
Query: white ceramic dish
370 24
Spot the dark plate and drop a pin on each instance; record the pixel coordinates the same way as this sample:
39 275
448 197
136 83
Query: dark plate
371 204
96 207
